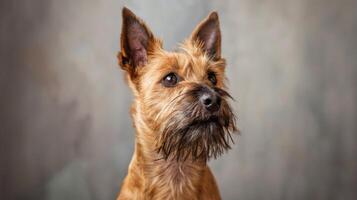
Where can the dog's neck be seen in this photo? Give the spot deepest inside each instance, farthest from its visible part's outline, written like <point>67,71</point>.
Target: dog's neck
<point>167,179</point>
<point>182,177</point>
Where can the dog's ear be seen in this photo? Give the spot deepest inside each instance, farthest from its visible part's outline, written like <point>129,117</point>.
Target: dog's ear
<point>208,34</point>
<point>136,41</point>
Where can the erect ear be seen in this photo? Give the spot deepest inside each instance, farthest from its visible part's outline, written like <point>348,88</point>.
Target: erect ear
<point>208,34</point>
<point>136,40</point>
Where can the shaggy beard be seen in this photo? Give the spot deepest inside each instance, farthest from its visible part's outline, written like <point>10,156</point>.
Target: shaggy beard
<point>192,134</point>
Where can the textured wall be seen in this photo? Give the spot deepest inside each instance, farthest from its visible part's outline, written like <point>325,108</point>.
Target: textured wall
<point>64,122</point>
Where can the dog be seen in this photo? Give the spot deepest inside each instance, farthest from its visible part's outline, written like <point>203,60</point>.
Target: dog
<point>180,111</point>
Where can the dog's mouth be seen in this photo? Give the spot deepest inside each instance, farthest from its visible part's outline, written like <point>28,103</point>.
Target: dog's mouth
<point>202,122</point>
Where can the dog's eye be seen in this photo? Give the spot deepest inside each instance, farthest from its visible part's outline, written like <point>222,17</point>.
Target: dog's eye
<point>170,80</point>
<point>212,78</point>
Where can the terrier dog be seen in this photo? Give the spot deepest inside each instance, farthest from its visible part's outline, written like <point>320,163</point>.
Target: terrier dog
<point>180,111</point>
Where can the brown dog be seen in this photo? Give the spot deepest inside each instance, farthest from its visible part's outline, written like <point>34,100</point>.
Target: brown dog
<point>180,111</point>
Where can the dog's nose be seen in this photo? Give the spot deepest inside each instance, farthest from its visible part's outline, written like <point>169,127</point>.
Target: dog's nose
<point>210,100</point>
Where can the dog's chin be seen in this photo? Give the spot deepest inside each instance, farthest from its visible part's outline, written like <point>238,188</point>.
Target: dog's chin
<point>199,140</point>
<point>205,128</point>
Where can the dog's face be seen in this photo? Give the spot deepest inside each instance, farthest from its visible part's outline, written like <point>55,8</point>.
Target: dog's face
<point>181,94</point>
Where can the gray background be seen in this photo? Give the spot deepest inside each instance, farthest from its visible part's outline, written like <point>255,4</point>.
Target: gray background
<point>64,123</point>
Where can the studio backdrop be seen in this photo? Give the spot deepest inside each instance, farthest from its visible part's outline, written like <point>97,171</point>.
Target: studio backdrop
<point>65,129</point>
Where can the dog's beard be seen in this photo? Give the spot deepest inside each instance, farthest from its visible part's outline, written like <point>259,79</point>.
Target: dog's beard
<point>191,133</point>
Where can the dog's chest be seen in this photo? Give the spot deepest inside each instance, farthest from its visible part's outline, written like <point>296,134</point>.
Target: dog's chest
<point>175,181</point>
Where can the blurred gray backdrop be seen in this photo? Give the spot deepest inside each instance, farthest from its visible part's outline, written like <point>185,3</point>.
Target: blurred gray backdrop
<point>292,65</point>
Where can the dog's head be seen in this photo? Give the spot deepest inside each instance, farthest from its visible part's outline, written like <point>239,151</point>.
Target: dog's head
<point>180,96</point>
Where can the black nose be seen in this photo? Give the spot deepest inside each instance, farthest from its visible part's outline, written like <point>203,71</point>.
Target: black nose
<point>210,100</point>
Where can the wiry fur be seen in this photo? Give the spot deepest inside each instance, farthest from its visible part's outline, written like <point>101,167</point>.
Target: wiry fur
<point>174,136</point>
<point>188,133</point>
